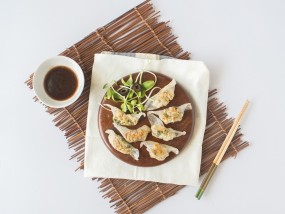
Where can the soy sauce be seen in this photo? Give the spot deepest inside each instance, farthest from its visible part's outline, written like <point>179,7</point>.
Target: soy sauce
<point>60,83</point>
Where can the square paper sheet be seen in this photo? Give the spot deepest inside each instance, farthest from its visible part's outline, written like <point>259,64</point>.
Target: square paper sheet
<point>184,169</point>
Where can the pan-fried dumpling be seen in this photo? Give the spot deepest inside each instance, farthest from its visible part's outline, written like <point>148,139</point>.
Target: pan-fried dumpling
<point>157,150</point>
<point>160,131</point>
<point>119,143</point>
<point>172,114</point>
<point>124,119</point>
<point>162,98</point>
<point>133,135</point>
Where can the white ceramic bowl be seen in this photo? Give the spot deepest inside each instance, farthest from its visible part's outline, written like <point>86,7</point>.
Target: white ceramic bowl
<point>47,65</point>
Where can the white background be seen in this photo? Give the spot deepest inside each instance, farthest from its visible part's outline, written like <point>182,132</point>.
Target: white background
<point>241,42</point>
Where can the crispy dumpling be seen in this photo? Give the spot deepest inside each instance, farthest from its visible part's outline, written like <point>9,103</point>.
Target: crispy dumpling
<point>133,135</point>
<point>172,114</point>
<point>119,143</point>
<point>162,98</point>
<point>158,129</point>
<point>157,150</point>
<point>123,119</point>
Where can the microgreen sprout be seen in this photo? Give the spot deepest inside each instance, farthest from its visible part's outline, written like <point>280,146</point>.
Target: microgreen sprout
<point>131,93</point>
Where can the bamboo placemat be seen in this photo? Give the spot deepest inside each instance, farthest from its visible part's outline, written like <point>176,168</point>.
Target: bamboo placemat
<point>137,30</point>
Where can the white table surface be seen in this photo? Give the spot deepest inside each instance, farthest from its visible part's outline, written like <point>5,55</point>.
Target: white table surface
<point>241,42</point>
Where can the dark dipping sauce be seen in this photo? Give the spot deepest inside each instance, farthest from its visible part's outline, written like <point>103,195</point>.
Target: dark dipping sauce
<point>60,83</point>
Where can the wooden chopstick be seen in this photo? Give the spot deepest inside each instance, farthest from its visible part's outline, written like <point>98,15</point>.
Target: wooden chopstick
<point>221,151</point>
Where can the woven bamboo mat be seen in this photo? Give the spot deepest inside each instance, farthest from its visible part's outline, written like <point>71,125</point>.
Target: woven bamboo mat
<point>137,30</point>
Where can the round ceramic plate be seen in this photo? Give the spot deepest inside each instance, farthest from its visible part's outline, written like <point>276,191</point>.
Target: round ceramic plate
<point>105,122</point>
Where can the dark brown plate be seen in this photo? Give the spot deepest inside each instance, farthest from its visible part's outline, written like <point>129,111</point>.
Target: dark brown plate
<point>105,122</point>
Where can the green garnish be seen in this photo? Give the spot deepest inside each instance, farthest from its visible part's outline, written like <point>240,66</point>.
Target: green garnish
<point>131,93</point>
<point>109,93</point>
<point>124,107</point>
<point>105,85</point>
<point>148,85</point>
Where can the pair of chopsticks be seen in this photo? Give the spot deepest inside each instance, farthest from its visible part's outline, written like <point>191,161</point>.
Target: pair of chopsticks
<point>221,152</point>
